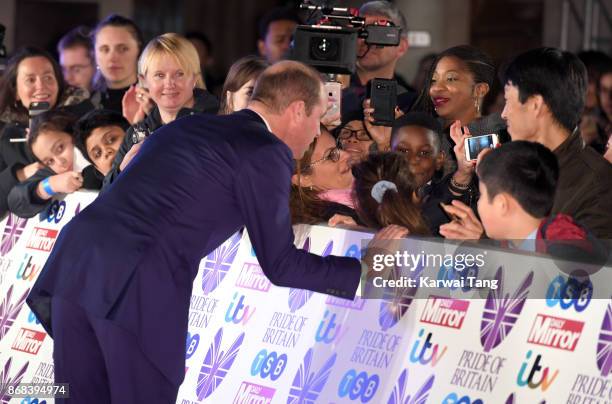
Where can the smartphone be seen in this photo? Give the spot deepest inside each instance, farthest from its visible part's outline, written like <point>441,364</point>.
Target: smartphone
<point>383,98</point>
<point>333,90</point>
<point>475,144</point>
<point>37,108</point>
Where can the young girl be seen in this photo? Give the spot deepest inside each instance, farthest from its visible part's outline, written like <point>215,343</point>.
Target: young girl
<point>385,193</point>
<point>52,143</point>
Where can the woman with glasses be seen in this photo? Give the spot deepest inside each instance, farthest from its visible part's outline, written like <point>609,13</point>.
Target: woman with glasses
<point>321,182</point>
<point>354,137</point>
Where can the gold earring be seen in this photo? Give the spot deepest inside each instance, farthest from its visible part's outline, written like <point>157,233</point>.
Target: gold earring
<point>477,105</point>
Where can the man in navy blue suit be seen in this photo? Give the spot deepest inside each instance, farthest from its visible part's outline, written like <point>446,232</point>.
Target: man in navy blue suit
<point>114,293</point>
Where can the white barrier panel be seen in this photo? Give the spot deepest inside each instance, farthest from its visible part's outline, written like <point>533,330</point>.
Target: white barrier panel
<point>252,342</point>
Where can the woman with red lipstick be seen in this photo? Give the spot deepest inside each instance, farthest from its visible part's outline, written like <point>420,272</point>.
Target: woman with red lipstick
<point>460,78</point>
<point>170,68</point>
<point>31,76</point>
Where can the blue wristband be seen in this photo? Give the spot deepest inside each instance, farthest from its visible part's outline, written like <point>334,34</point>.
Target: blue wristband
<point>47,187</point>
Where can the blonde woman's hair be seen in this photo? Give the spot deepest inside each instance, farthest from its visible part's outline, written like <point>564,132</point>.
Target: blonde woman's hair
<point>171,44</point>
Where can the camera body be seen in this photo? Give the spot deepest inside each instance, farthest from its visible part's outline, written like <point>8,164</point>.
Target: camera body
<point>330,45</point>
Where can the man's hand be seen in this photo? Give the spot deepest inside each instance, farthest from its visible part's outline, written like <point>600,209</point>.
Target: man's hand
<point>385,241</point>
<point>130,155</point>
<point>466,226</point>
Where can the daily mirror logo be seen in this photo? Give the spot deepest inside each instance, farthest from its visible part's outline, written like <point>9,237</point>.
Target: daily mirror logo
<point>42,239</point>
<point>555,332</point>
<point>445,312</point>
<point>29,341</point>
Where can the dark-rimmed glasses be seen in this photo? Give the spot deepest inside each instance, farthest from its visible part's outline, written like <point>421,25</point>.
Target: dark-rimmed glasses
<point>361,134</point>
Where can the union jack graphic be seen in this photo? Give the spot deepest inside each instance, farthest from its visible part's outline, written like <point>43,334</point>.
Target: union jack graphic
<point>6,381</point>
<point>216,365</point>
<point>604,345</point>
<point>308,385</point>
<point>299,297</point>
<point>9,311</point>
<point>216,264</point>
<point>400,394</point>
<point>501,311</point>
<point>12,231</point>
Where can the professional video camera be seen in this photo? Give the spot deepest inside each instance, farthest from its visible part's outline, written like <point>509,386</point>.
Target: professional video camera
<point>330,44</point>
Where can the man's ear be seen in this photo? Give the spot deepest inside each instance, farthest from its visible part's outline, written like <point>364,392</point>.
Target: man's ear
<point>301,180</point>
<point>261,47</point>
<point>503,202</point>
<point>537,105</point>
<point>402,48</point>
<point>297,111</point>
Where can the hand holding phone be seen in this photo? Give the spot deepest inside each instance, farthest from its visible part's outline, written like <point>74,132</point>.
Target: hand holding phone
<point>476,144</point>
<point>383,98</point>
<point>332,118</point>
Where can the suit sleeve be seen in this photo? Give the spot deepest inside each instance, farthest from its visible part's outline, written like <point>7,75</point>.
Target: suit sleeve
<point>23,199</point>
<point>262,189</point>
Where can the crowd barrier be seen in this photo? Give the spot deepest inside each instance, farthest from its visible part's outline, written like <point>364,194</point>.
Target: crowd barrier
<point>252,342</point>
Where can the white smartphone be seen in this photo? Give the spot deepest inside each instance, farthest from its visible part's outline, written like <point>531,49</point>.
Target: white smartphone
<point>475,144</point>
<point>333,90</point>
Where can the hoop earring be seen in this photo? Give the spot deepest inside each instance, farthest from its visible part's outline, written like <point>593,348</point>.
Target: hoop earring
<point>477,105</point>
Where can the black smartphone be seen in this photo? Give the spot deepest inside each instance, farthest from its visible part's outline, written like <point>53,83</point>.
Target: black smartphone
<point>383,98</point>
<point>37,108</point>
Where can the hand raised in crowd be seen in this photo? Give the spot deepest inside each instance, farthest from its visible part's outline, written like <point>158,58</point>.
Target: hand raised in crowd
<point>465,168</point>
<point>136,103</point>
<point>464,226</point>
<point>380,134</point>
<point>64,183</point>
<point>130,155</point>
<point>28,171</point>
<point>331,121</point>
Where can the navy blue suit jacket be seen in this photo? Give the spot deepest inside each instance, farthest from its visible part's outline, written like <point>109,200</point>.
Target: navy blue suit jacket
<point>132,255</point>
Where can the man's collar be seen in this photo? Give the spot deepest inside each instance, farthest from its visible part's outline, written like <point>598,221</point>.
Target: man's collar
<point>264,120</point>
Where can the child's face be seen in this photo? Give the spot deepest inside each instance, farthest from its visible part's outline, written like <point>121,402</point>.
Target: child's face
<point>102,146</point>
<point>489,214</point>
<point>55,150</point>
<point>415,143</point>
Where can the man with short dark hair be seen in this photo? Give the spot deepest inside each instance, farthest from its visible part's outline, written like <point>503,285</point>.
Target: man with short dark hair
<point>127,262</point>
<point>545,94</point>
<point>276,29</point>
<point>76,57</point>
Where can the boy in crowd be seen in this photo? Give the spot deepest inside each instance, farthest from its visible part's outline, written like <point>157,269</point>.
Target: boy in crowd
<point>518,182</point>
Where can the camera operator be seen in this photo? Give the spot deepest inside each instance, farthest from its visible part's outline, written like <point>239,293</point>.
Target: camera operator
<point>374,61</point>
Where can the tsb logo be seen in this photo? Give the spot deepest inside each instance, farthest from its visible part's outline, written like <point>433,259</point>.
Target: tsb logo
<point>56,212</point>
<point>569,292</point>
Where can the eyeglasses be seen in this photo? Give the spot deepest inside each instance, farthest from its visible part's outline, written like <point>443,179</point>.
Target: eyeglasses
<point>332,155</point>
<point>346,133</point>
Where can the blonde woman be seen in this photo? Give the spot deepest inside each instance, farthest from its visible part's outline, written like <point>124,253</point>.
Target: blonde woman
<point>169,68</point>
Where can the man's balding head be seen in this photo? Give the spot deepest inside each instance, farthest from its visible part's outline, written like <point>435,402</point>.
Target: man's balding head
<point>285,82</point>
